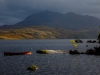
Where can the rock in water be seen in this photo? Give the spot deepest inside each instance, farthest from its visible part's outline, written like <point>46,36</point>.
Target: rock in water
<point>51,51</point>
<point>32,68</point>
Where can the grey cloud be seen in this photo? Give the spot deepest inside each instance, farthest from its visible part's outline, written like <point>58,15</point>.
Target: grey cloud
<point>13,11</point>
<point>8,20</point>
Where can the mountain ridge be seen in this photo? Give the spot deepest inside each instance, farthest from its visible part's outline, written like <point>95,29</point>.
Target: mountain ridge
<point>69,20</point>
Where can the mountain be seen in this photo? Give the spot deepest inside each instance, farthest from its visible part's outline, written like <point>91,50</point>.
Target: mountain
<point>69,20</point>
<point>53,25</point>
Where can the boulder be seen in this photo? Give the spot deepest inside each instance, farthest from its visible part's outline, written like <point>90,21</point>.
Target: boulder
<point>42,51</point>
<point>78,41</point>
<point>73,52</point>
<point>51,51</point>
<point>32,68</point>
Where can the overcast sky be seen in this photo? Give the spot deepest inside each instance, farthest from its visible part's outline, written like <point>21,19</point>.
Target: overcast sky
<point>14,11</point>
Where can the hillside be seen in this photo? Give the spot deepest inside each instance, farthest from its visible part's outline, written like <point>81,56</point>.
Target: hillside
<point>43,32</point>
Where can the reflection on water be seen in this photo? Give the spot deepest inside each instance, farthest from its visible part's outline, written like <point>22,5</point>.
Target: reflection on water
<point>49,64</point>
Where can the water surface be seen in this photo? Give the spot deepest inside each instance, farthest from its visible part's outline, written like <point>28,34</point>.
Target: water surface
<point>49,64</point>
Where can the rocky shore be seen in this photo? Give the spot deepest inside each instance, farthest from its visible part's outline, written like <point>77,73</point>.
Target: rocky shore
<point>94,51</point>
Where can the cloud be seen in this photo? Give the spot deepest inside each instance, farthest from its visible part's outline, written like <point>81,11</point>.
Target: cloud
<point>8,20</point>
<point>13,11</point>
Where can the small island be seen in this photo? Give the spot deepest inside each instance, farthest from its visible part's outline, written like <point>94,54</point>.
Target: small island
<point>94,51</point>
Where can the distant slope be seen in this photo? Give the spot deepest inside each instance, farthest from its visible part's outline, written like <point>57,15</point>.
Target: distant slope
<point>43,32</point>
<point>69,20</point>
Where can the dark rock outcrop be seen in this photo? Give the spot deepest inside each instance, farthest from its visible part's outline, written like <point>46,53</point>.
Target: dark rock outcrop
<point>73,52</point>
<point>78,41</point>
<point>91,41</point>
<point>95,51</point>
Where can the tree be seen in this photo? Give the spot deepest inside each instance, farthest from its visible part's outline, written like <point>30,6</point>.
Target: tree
<point>99,37</point>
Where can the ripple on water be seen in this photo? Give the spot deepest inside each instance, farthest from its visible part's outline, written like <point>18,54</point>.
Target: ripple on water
<point>49,64</point>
